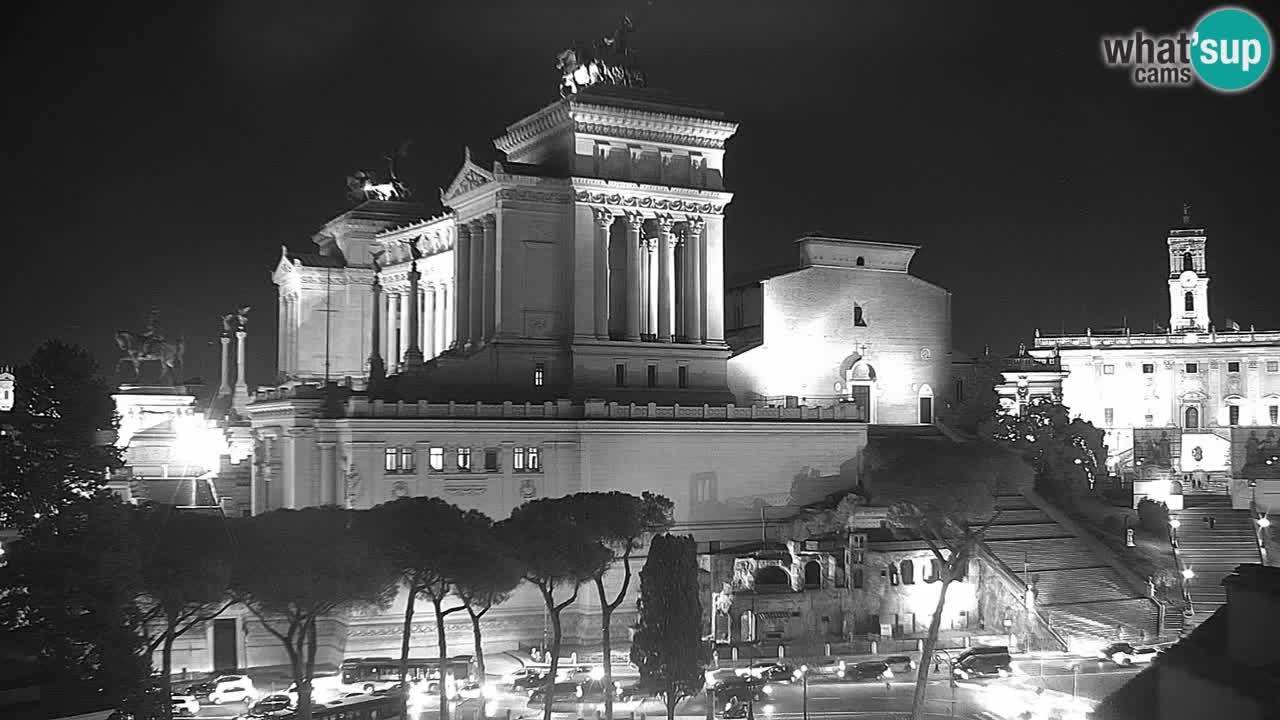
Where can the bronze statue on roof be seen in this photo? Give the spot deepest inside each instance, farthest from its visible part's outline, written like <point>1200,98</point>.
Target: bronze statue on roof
<point>607,61</point>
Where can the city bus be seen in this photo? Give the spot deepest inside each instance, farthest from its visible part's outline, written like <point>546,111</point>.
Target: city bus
<point>372,707</point>
<point>372,674</point>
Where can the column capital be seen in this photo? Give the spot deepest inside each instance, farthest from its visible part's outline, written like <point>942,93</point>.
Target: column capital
<point>489,221</point>
<point>666,223</point>
<point>635,221</point>
<point>241,334</point>
<point>604,217</point>
<point>696,222</point>
<point>464,230</point>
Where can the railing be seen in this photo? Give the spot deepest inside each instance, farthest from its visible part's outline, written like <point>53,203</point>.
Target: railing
<point>1031,364</point>
<point>1125,338</point>
<point>1020,585</point>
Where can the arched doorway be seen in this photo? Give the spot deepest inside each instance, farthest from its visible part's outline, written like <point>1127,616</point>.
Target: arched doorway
<point>772,577</point>
<point>812,575</point>
<point>861,382</point>
<point>1192,418</point>
<point>924,399</point>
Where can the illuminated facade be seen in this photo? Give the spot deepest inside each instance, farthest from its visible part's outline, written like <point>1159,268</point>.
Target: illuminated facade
<point>1192,409</point>
<point>850,325</point>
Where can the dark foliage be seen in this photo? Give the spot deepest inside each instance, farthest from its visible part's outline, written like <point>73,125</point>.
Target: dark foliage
<point>668,648</point>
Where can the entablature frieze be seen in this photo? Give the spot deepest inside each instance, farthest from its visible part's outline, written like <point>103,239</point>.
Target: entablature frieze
<point>652,202</point>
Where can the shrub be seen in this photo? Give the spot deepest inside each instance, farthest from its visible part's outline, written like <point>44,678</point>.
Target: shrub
<point>1153,516</point>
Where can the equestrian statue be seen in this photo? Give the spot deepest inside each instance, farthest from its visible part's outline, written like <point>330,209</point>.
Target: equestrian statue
<point>150,345</point>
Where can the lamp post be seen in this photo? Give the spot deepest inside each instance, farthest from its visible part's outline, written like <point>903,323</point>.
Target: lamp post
<point>803,676</point>
<point>1174,524</point>
<point>951,677</point>
<point>1075,676</point>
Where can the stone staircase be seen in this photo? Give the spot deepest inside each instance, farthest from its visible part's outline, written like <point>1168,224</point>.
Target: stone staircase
<point>1213,554</point>
<point>1081,595</point>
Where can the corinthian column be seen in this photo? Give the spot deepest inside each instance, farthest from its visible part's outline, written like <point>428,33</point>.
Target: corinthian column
<point>635,293</point>
<point>413,352</point>
<point>604,221</point>
<point>693,268</point>
<point>475,323</point>
<point>393,333</point>
<point>403,316</point>
<point>224,388</point>
<point>666,279</point>
<point>430,345</point>
<point>462,284</point>
<point>377,370</point>
<point>651,287</point>
<point>241,397</point>
<point>489,321</point>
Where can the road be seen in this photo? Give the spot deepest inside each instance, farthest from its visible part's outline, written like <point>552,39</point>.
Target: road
<point>1046,683</point>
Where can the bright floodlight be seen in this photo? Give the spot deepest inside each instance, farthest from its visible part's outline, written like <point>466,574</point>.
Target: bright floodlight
<point>709,677</point>
<point>1175,523</point>
<point>1188,573</point>
<point>768,709</point>
<point>767,690</point>
<point>1264,522</point>
<point>597,674</point>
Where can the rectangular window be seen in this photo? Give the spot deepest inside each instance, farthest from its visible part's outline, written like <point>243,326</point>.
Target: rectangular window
<point>1148,368</point>
<point>406,460</point>
<point>620,375</point>
<point>682,376</point>
<point>1149,420</point>
<point>390,459</point>
<point>538,374</point>
<point>490,460</point>
<point>1274,413</point>
<point>436,459</point>
<point>464,458</point>
<point>535,463</point>
<point>1108,369</point>
<point>1193,368</point>
<point>1233,367</point>
<point>517,459</point>
<point>1233,414</point>
<point>1110,415</point>
<point>651,377</point>
<point>1273,366</point>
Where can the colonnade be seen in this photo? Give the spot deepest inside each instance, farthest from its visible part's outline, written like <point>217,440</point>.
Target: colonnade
<point>396,316</point>
<point>665,280</point>
<point>475,266</point>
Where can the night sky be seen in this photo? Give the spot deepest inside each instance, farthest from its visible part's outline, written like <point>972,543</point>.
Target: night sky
<point>159,156</point>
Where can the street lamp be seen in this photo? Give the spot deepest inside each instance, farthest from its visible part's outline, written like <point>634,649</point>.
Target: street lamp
<point>803,676</point>
<point>1263,522</point>
<point>1188,573</point>
<point>951,677</point>
<point>1075,676</point>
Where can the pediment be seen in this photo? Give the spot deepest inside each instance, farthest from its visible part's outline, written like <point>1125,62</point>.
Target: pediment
<point>470,176</point>
<point>284,267</point>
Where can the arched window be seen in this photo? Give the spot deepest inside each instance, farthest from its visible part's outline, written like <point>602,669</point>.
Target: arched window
<point>908,572</point>
<point>1188,262</point>
<point>858,319</point>
<point>812,574</point>
<point>772,577</point>
<point>1193,418</point>
<point>858,579</point>
<point>861,261</point>
<point>934,571</point>
<point>1189,301</point>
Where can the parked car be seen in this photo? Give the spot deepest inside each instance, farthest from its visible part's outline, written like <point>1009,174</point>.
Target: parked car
<point>277,705</point>
<point>528,678</point>
<point>1135,656</point>
<point>1109,652</point>
<point>869,670</point>
<point>185,704</point>
<point>772,672</point>
<point>900,664</point>
<point>199,690</point>
<point>561,691</point>
<point>742,688</point>
<point>983,662</point>
<point>233,689</point>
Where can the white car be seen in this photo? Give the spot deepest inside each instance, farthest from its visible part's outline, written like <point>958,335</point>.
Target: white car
<point>233,689</point>
<point>185,704</point>
<point>1136,656</point>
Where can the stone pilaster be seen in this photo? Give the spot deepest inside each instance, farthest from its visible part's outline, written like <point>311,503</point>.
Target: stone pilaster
<point>240,400</point>
<point>694,301</point>
<point>413,351</point>
<point>377,369</point>
<point>489,320</point>
<point>462,283</point>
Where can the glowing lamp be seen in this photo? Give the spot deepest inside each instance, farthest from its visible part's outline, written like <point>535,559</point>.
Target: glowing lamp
<point>708,677</point>
<point>1175,523</point>
<point>1188,573</point>
<point>768,709</point>
<point>1264,522</point>
<point>767,689</point>
<point>596,674</point>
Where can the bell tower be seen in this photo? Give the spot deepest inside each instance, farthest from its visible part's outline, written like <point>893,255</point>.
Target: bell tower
<point>1188,277</point>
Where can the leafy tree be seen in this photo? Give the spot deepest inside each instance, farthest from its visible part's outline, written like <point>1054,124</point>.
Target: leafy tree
<point>668,647</point>
<point>620,522</point>
<point>1067,454</point>
<point>487,574</point>
<point>556,552</point>
<point>186,561</point>
<point>294,567</point>
<point>423,538</point>
<point>1153,516</point>
<point>943,493</point>
<point>69,586</point>
<point>52,445</point>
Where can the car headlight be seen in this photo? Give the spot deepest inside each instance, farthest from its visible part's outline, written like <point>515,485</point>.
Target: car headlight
<point>888,673</point>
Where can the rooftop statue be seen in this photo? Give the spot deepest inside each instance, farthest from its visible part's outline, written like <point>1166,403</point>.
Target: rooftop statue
<point>237,321</point>
<point>364,185</point>
<point>150,345</point>
<point>607,61</point>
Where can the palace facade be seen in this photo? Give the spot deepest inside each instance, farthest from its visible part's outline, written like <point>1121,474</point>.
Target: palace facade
<point>1193,408</point>
<point>559,325</point>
